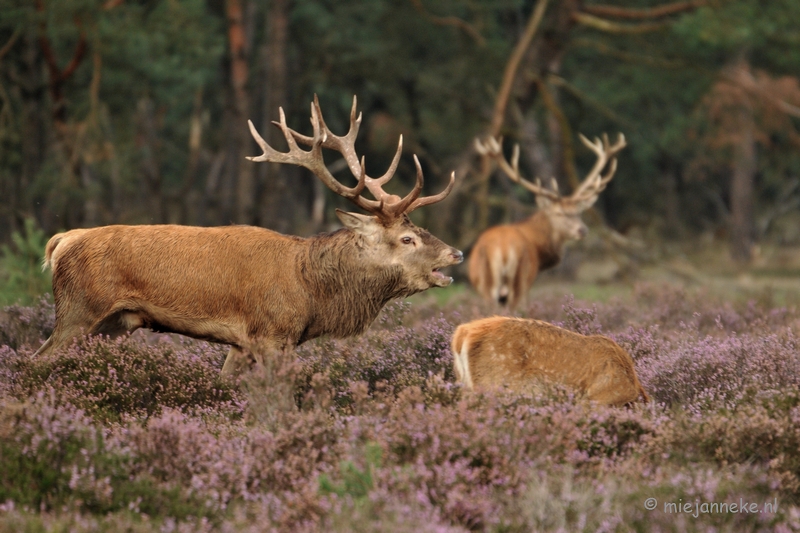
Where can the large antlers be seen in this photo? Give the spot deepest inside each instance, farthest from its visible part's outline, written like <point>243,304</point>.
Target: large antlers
<point>494,148</point>
<point>385,206</point>
<point>586,193</point>
<point>595,182</point>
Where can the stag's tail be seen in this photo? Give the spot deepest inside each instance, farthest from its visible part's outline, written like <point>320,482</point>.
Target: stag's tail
<point>56,246</point>
<point>49,249</point>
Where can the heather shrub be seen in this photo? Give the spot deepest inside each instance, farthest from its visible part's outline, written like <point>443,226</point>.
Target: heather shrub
<point>563,500</point>
<point>15,520</point>
<point>27,326</point>
<point>568,499</point>
<point>402,357</point>
<point>56,457</point>
<point>766,433</point>
<point>580,320</point>
<point>111,378</point>
<point>387,511</point>
<point>465,459</point>
<point>230,466</point>
<point>706,373</point>
<point>356,482</point>
<point>47,453</point>
<point>270,388</point>
<point>372,434</point>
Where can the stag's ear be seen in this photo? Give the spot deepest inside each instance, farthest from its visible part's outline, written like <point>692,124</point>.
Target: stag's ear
<point>543,202</point>
<point>361,224</point>
<point>583,205</point>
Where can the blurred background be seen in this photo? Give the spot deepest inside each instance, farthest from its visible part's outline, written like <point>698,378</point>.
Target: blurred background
<point>135,112</point>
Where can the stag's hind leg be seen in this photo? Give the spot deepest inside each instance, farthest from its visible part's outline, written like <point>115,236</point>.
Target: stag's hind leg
<point>69,328</point>
<point>117,323</point>
<point>479,270</point>
<point>61,337</point>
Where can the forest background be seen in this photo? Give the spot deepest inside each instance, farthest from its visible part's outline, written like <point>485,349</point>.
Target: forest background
<point>135,111</point>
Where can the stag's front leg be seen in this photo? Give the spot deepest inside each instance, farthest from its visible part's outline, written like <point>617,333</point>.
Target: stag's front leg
<point>237,362</point>
<point>244,359</point>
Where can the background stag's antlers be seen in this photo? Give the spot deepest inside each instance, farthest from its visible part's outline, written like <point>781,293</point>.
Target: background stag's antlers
<point>494,148</point>
<point>586,193</point>
<point>595,182</point>
<point>385,206</point>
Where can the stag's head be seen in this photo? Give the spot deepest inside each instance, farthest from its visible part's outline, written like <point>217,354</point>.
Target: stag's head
<point>387,237</point>
<point>564,212</point>
<point>400,244</point>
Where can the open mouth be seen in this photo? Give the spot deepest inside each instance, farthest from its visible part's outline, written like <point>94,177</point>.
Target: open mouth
<point>440,278</point>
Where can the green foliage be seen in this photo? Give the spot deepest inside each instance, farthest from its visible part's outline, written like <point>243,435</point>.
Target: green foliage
<point>356,482</point>
<point>21,277</point>
<point>155,71</point>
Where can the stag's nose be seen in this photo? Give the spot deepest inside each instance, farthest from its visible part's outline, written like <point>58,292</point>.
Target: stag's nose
<point>457,256</point>
<point>582,232</point>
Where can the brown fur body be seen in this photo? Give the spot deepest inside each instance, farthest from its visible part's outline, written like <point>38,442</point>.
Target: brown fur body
<point>518,353</point>
<point>506,259</point>
<point>237,285</point>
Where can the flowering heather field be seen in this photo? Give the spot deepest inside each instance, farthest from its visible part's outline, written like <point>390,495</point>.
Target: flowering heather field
<point>371,433</point>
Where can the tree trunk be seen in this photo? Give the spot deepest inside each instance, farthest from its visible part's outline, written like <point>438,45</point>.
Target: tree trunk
<point>241,144</point>
<point>276,205</point>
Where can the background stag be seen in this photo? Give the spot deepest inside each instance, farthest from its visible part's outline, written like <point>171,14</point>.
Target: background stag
<point>506,259</point>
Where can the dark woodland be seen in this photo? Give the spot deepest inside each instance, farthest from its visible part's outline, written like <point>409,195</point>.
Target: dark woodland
<point>124,111</point>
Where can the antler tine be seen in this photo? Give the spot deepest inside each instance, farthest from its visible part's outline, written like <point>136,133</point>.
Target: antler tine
<point>413,201</point>
<point>312,159</point>
<point>375,185</point>
<point>402,205</point>
<point>603,181</point>
<point>344,144</point>
<point>385,206</point>
<point>493,148</point>
<point>428,200</point>
<point>270,154</point>
<point>606,153</point>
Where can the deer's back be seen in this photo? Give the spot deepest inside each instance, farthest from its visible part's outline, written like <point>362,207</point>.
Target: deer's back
<point>513,352</point>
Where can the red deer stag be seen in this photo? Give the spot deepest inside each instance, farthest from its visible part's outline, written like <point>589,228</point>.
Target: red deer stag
<point>247,286</point>
<point>506,259</point>
<point>516,352</point>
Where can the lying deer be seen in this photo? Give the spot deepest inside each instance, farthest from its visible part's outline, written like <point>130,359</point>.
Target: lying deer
<point>506,259</point>
<point>247,286</point>
<point>518,353</point>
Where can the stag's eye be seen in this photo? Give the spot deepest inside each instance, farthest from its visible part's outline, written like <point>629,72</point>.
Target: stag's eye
<point>406,240</point>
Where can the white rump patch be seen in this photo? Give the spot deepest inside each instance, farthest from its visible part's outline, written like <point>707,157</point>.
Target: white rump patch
<point>462,364</point>
<point>502,271</point>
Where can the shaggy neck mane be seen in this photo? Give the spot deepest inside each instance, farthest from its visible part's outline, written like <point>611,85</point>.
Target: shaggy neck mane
<point>542,238</point>
<point>347,291</point>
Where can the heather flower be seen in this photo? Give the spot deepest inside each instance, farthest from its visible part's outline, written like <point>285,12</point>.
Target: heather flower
<point>372,433</point>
